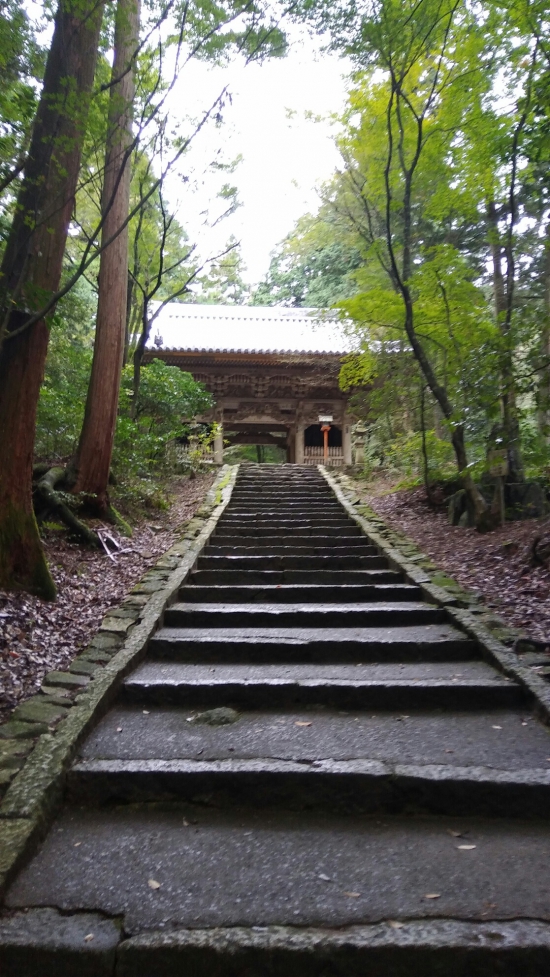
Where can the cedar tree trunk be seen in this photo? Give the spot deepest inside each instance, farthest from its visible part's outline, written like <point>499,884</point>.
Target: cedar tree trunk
<point>93,458</point>
<point>30,273</point>
<point>543,393</point>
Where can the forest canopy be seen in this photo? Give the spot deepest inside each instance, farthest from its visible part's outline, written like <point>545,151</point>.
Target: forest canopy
<point>433,236</point>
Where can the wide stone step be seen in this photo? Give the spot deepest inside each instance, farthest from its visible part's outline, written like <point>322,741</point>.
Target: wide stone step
<point>288,495</point>
<point>337,577</point>
<point>253,526</point>
<point>429,946</point>
<point>310,509</point>
<point>403,688</point>
<point>298,543</point>
<point>298,894</point>
<point>335,550</point>
<point>346,786</point>
<point>265,561</point>
<point>345,531</point>
<point>293,593</point>
<point>491,762</point>
<point>277,522</point>
<point>279,501</point>
<point>270,645</point>
<point>310,615</point>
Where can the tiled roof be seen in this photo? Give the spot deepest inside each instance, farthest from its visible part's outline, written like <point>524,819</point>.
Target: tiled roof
<point>247,329</point>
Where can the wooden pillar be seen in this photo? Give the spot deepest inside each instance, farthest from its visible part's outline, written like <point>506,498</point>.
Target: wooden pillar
<point>299,444</point>
<point>291,446</point>
<point>346,441</point>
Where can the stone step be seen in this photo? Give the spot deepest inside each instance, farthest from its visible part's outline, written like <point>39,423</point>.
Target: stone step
<point>287,489</point>
<point>299,894</point>
<point>278,492</point>
<point>309,615</point>
<point>277,524</point>
<point>308,509</point>
<point>345,531</point>
<point>368,787</point>
<point>298,543</point>
<point>337,577</point>
<point>303,552</point>
<point>293,500</point>
<point>403,688</point>
<point>293,593</point>
<point>316,519</point>
<point>351,561</point>
<point>271,645</point>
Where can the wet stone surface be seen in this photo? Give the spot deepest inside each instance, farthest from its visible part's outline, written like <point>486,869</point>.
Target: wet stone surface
<point>495,739</point>
<point>241,868</point>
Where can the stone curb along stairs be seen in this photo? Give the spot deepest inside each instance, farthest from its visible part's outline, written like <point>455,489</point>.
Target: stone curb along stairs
<point>35,790</point>
<point>304,760</point>
<point>493,650</point>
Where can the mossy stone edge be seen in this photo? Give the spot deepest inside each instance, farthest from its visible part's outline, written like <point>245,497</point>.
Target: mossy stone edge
<point>35,792</point>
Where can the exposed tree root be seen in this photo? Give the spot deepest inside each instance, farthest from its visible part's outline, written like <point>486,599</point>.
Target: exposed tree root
<point>113,516</point>
<point>45,489</point>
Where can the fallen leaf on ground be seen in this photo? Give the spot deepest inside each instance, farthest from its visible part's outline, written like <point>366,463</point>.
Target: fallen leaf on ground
<point>395,925</point>
<point>497,727</point>
<point>432,895</point>
<point>466,847</point>
<point>153,884</point>
<point>302,724</point>
<point>76,844</point>
<point>119,729</point>
<point>325,878</point>
<point>352,895</point>
<point>89,937</point>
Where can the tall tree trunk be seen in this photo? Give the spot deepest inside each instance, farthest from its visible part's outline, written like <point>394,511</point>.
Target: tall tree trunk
<point>93,458</point>
<point>543,393</point>
<point>510,421</point>
<point>482,515</point>
<point>30,273</point>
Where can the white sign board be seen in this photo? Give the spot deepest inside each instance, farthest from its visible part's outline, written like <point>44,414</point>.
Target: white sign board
<point>325,418</point>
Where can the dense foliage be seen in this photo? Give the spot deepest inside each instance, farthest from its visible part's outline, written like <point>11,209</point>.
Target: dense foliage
<point>167,398</point>
<point>433,237</point>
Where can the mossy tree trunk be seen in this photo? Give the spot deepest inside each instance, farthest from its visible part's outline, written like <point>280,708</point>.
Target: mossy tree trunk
<point>93,458</point>
<point>30,274</point>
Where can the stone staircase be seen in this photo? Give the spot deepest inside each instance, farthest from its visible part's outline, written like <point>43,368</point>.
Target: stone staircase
<point>312,774</point>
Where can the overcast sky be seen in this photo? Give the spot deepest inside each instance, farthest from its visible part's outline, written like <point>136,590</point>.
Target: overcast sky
<point>285,156</point>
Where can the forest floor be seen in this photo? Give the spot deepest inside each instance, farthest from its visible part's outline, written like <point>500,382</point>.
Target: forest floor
<point>495,565</point>
<point>37,636</point>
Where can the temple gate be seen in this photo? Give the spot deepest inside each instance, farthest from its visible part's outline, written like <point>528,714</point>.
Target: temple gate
<point>263,395</point>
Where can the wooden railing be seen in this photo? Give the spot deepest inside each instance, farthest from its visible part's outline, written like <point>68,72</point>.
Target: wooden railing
<point>315,456</point>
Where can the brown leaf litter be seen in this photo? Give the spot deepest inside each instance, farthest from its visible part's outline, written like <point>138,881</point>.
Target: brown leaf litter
<point>37,636</point>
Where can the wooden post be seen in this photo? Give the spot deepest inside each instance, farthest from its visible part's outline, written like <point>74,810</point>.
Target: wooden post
<point>325,428</point>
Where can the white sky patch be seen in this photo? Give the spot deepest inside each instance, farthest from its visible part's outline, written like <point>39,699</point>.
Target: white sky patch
<point>285,154</point>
